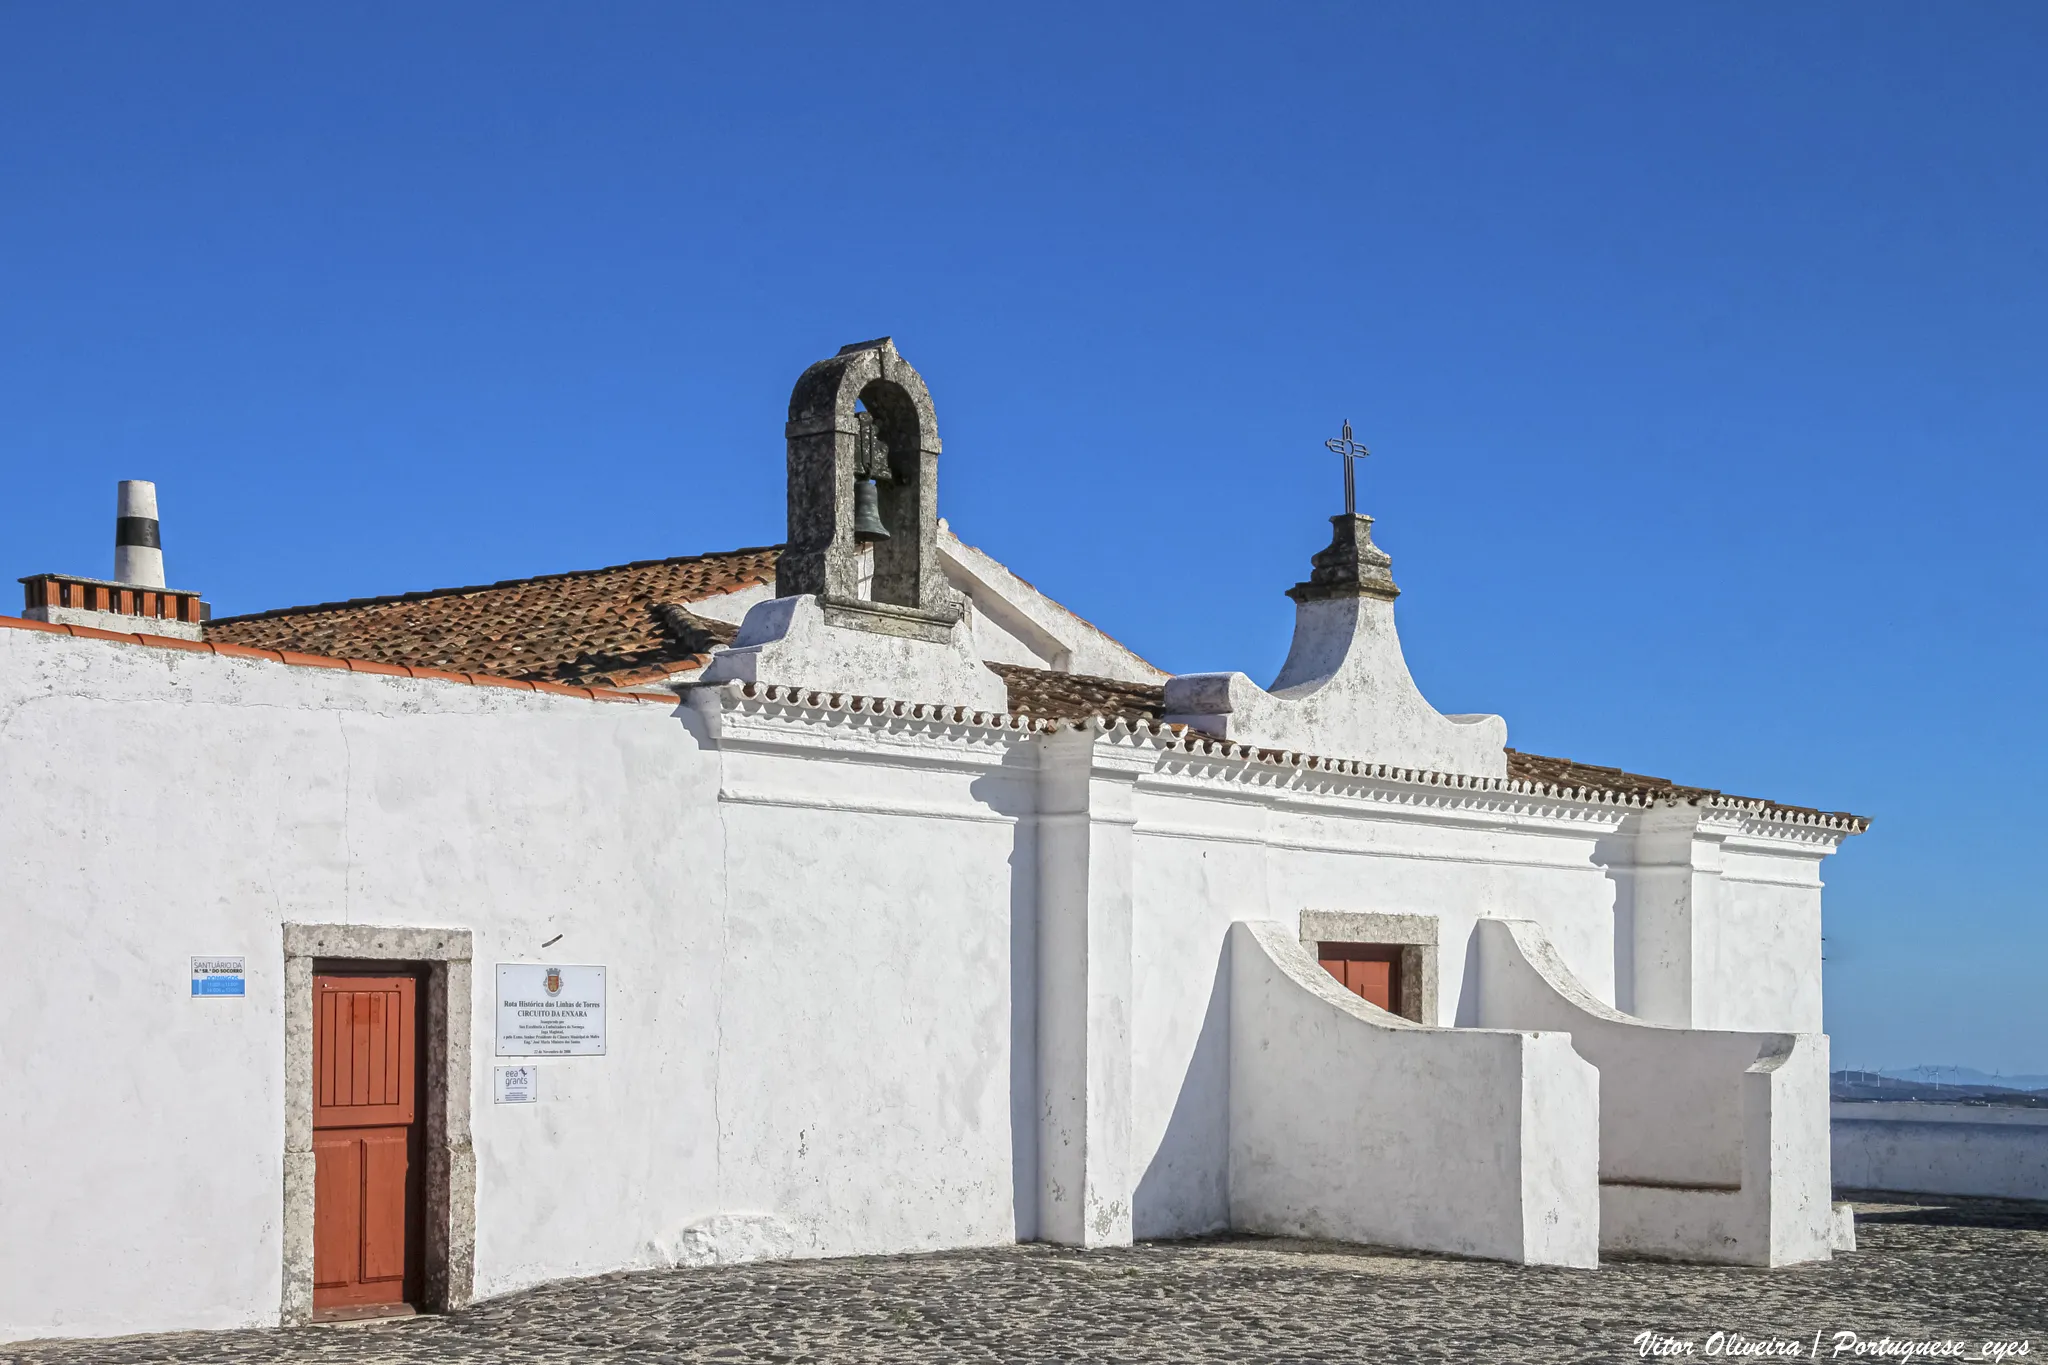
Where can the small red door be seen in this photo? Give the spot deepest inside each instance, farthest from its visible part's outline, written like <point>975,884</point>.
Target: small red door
<point>365,1142</point>
<point>1372,970</point>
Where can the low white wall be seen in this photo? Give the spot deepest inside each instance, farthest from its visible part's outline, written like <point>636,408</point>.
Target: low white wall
<point>1926,1147</point>
<point>1351,1123</point>
<point>1211,851</point>
<point>1784,1154</point>
<point>1713,1145</point>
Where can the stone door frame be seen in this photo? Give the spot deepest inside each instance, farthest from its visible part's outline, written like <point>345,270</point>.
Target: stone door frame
<point>449,1185</point>
<point>1415,935</point>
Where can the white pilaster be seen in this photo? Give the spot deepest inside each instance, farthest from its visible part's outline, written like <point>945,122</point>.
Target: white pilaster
<point>1676,889</point>
<point>1086,825</point>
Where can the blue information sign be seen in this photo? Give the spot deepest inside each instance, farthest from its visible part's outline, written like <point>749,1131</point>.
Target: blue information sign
<point>219,976</point>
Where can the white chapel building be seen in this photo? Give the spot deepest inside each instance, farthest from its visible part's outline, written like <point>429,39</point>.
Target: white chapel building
<point>841,897</point>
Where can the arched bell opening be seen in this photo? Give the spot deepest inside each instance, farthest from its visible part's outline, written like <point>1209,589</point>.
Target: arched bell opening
<point>894,466</point>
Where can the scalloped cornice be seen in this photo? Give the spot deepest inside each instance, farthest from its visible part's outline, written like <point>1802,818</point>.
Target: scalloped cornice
<point>1191,755</point>
<point>775,701</point>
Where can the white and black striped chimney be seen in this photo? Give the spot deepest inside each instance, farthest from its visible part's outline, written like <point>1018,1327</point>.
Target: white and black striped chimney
<point>138,539</point>
<point>133,602</point>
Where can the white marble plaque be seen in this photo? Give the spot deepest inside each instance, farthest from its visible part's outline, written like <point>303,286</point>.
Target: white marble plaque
<point>550,1011</point>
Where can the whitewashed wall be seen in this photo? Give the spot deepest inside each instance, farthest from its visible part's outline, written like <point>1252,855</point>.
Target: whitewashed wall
<point>1717,913</point>
<point>822,1068</point>
<point>1224,840</point>
<point>877,1025</point>
<point>160,805</point>
<point>1761,967</point>
<point>847,1003</point>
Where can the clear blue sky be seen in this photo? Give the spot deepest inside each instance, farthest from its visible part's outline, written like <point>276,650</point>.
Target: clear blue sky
<point>1701,348</point>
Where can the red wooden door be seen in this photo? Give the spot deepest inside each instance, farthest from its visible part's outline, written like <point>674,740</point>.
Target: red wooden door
<point>1372,970</point>
<point>365,1142</point>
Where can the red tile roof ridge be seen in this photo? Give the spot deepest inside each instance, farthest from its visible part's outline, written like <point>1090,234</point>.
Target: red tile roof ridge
<point>294,659</point>
<point>655,673</point>
<point>425,594</point>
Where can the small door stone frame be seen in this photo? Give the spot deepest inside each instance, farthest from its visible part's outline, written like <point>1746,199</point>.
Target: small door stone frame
<point>450,1177</point>
<point>1415,935</point>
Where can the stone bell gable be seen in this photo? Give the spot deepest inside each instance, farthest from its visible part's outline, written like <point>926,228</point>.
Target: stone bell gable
<point>863,468</point>
<point>865,415</point>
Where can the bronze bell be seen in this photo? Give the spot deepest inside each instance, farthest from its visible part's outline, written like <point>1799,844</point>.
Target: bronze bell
<point>867,513</point>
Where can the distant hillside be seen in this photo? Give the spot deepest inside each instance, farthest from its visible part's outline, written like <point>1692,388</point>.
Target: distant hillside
<point>1963,1075</point>
<point>1942,1083</point>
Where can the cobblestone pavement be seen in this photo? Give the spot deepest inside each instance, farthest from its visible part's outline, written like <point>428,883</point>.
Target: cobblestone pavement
<point>1973,1270</point>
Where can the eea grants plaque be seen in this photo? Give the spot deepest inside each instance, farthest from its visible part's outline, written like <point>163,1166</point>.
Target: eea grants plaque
<point>550,1011</point>
<point>516,1085</point>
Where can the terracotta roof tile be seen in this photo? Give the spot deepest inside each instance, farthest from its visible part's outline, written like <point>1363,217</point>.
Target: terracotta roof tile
<point>1563,772</point>
<point>594,627</point>
<point>1059,696</point>
<point>297,660</point>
